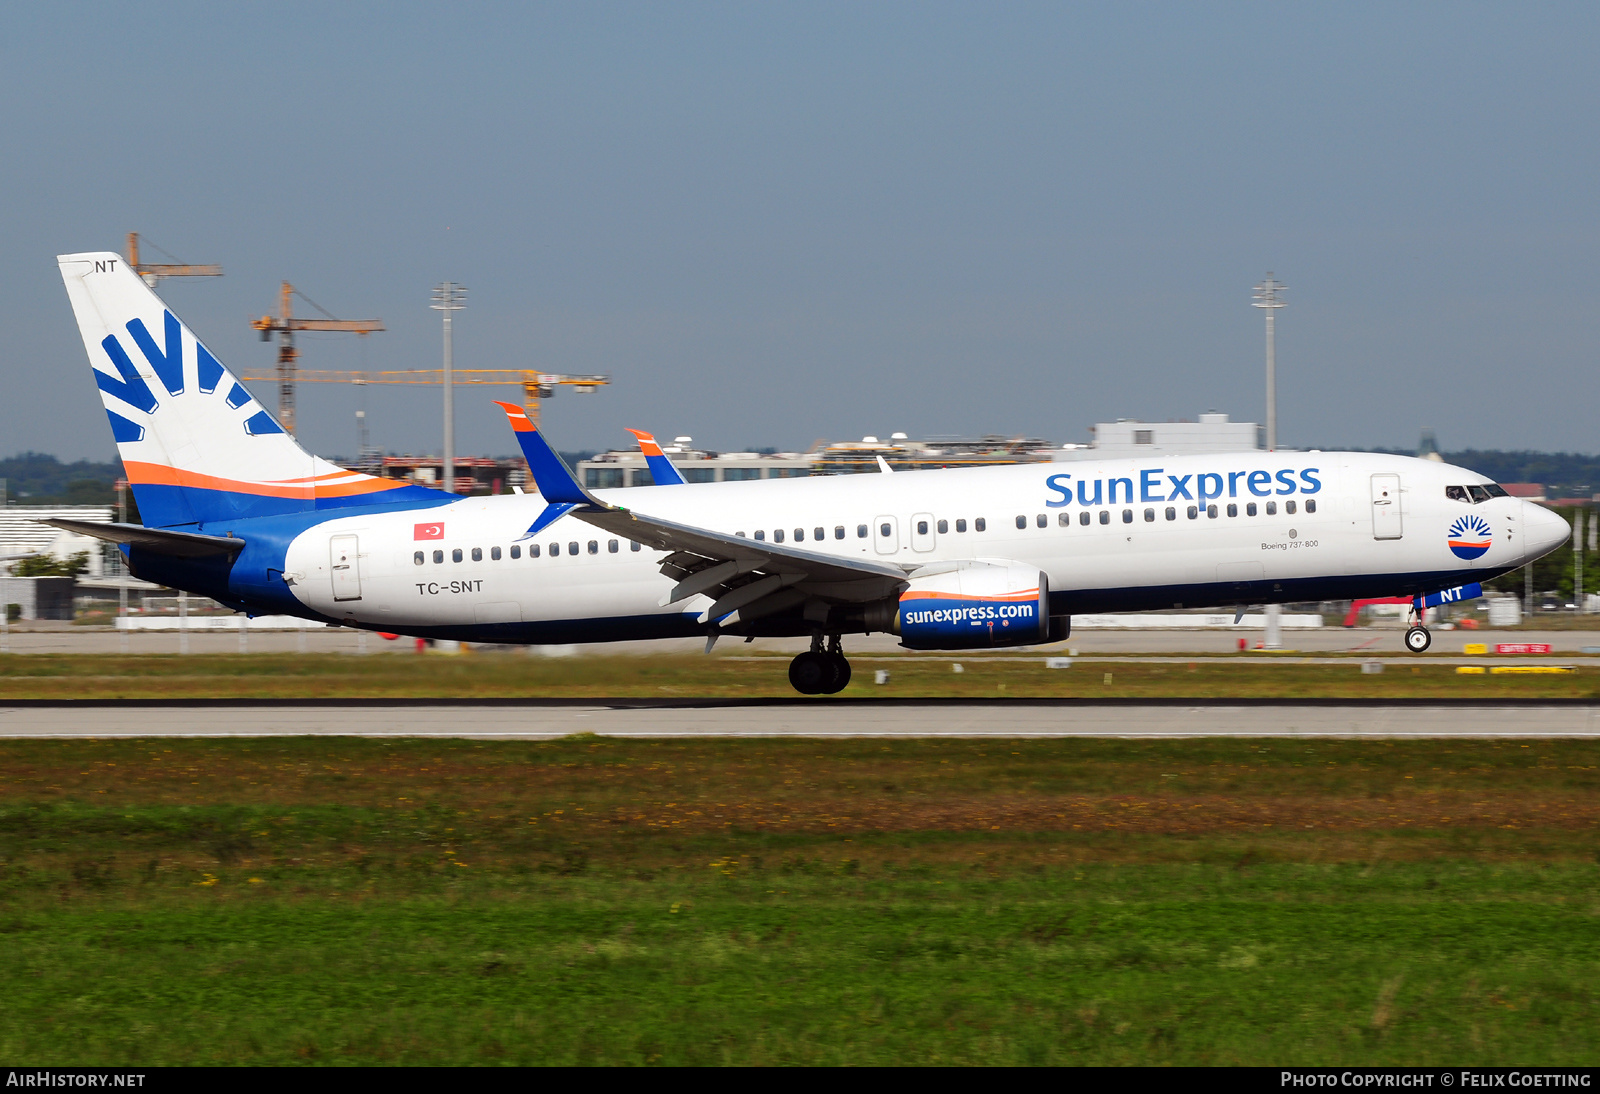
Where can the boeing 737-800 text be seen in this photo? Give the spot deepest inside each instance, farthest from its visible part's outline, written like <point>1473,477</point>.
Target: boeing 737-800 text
<point>236,510</point>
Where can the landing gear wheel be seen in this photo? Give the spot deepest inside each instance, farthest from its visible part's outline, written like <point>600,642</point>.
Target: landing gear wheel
<point>811,673</point>
<point>1418,639</point>
<point>841,674</point>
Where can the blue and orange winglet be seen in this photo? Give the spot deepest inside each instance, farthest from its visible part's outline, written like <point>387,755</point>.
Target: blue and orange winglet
<point>557,484</point>
<point>662,473</point>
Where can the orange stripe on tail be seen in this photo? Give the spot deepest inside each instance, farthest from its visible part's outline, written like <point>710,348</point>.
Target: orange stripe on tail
<point>518,417</point>
<point>647,443</point>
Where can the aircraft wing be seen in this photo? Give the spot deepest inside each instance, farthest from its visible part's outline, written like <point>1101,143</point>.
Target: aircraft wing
<point>741,576</point>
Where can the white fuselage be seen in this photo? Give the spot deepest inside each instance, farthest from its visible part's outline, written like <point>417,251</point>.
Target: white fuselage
<point>1328,529</point>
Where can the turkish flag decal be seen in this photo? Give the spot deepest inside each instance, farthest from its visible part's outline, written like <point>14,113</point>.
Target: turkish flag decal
<point>429,531</point>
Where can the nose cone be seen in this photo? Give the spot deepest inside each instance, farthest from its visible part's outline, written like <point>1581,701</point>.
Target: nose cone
<point>1542,530</point>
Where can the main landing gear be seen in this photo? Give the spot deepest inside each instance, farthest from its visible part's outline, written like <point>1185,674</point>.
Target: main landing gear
<point>820,671</point>
<point>1418,639</point>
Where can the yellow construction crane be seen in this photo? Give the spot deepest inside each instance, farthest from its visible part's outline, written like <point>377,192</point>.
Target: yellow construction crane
<point>284,324</point>
<point>155,271</point>
<point>535,385</point>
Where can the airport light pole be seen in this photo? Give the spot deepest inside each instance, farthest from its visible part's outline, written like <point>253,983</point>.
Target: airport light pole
<point>1266,298</point>
<point>449,297</point>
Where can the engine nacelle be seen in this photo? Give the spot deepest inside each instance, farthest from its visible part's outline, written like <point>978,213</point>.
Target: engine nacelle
<point>976,605</point>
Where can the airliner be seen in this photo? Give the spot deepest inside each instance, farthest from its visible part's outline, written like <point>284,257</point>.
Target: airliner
<point>955,559</point>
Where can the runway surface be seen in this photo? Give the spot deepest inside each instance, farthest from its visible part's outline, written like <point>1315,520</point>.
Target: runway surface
<point>1381,642</point>
<point>542,720</point>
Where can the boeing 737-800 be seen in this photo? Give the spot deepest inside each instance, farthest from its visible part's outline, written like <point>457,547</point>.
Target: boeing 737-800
<point>236,510</point>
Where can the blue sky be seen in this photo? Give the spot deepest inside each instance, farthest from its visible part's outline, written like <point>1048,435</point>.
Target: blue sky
<point>774,223</point>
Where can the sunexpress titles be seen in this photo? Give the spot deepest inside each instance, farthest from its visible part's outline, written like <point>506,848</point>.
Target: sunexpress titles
<point>1155,484</point>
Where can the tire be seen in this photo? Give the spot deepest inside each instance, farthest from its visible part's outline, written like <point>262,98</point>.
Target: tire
<point>810,673</point>
<point>1418,639</point>
<point>841,674</point>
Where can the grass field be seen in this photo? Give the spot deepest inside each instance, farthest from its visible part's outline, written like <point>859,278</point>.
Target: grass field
<point>507,675</point>
<point>751,901</point>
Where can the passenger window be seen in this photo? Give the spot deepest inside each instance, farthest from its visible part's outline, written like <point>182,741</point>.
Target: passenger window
<point>1172,514</point>
<point>1105,516</point>
<point>760,535</point>
<point>944,526</point>
<point>838,532</point>
<point>1064,519</point>
<point>1311,505</point>
<point>1149,515</point>
<point>572,547</point>
<point>417,558</point>
<point>555,549</point>
<point>455,555</point>
<point>1127,516</point>
<point>516,551</point>
<point>594,546</point>
<point>1194,511</point>
<point>861,531</point>
<point>438,557</point>
<point>885,530</point>
<point>1083,517</point>
<point>1288,507</point>
<point>533,550</point>
<point>494,554</point>
<point>477,554</point>
<point>1211,511</point>
<point>633,545</point>
<point>1233,509</point>
<point>1478,494</point>
<point>1272,508</point>
<point>1457,493</point>
<point>612,545</point>
<point>777,535</point>
<point>799,535</point>
<point>1250,509</point>
<point>1022,521</point>
<point>817,533</point>
<point>922,527</point>
<point>961,524</point>
<point>1042,520</point>
<point>980,525</point>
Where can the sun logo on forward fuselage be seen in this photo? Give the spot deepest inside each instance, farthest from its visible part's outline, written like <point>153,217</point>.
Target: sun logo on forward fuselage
<point>1470,536</point>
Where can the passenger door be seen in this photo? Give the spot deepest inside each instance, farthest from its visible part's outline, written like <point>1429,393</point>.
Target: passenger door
<point>1386,507</point>
<point>346,567</point>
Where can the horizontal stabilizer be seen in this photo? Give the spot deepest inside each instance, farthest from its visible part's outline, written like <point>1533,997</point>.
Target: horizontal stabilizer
<point>156,540</point>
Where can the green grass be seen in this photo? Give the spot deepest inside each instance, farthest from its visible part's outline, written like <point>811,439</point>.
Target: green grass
<point>516,675</point>
<point>746,901</point>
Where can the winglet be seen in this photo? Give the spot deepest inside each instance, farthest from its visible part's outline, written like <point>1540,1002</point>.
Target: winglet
<point>555,481</point>
<point>661,470</point>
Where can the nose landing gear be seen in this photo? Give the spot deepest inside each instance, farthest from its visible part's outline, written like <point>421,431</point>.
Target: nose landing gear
<point>820,671</point>
<point>1418,639</point>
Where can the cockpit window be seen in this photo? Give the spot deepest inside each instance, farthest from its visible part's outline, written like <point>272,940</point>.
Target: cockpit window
<point>1472,495</point>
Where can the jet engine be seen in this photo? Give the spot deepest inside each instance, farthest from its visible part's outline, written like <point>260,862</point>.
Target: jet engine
<point>977,605</point>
